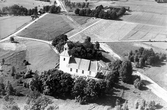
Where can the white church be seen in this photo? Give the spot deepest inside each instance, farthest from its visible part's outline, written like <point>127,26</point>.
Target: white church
<point>78,66</point>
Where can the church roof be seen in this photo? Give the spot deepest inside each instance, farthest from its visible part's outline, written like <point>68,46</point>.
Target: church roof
<point>83,64</point>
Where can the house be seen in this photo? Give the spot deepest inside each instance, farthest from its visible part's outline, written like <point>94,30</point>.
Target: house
<point>78,66</point>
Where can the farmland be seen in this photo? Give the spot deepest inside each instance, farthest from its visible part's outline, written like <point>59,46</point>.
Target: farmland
<point>25,3</point>
<point>109,31</point>
<point>48,27</point>
<point>10,24</point>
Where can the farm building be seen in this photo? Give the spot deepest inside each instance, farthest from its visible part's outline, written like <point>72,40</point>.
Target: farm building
<point>78,66</point>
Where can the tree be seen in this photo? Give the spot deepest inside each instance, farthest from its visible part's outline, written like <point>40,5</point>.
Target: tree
<point>101,14</point>
<point>126,71</point>
<point>101,88</point>
<point>9,89</point>
<point>78,89</point>
<point>81,12</point>
<point>12,40</point>
<point>36,84</point>
<point>77,11</point>
<point>59,84</point>
<point>90,90</point>
<point>2,89</point>
<point>13,71</point>
<point>112,78</point>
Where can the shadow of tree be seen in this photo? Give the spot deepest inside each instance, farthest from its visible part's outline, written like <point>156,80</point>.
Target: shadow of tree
<point>146,82</point>
<point>158,106</point>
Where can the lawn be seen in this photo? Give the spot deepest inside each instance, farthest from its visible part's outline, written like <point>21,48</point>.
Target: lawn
<point>48,27</point>
<point>10,24</point>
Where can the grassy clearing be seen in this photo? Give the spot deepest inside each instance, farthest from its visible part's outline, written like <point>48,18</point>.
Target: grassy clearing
<point>47,28</point>
<point>9,25</point>
<point>80,19</point>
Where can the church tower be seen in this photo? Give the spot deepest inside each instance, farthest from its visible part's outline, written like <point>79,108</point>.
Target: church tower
<point>64,58</point>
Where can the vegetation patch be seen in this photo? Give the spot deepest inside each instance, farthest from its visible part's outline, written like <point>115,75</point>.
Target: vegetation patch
<point>47,28</point>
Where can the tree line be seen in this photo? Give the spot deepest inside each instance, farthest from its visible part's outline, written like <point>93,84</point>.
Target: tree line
<point>22,11</point>
<point>101,12</point>
<point>76,4</point>
<point>143,57</point>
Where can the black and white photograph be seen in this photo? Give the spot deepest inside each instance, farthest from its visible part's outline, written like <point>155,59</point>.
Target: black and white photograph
<point>83,54</point>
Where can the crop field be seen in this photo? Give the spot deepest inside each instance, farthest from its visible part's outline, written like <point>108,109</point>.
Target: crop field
<point>110,30</point>
<point>9,25</point>
<point>25,3</point>
<point>146,18</point>
<point>48,27</point>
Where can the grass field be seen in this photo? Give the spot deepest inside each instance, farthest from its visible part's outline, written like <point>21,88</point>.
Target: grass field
<point>9,25</point>
<point>47,27</point>
<point>25,3</point>
<point>41,56</point>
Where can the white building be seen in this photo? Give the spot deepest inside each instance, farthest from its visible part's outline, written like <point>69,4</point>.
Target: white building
<point>78,66</point>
